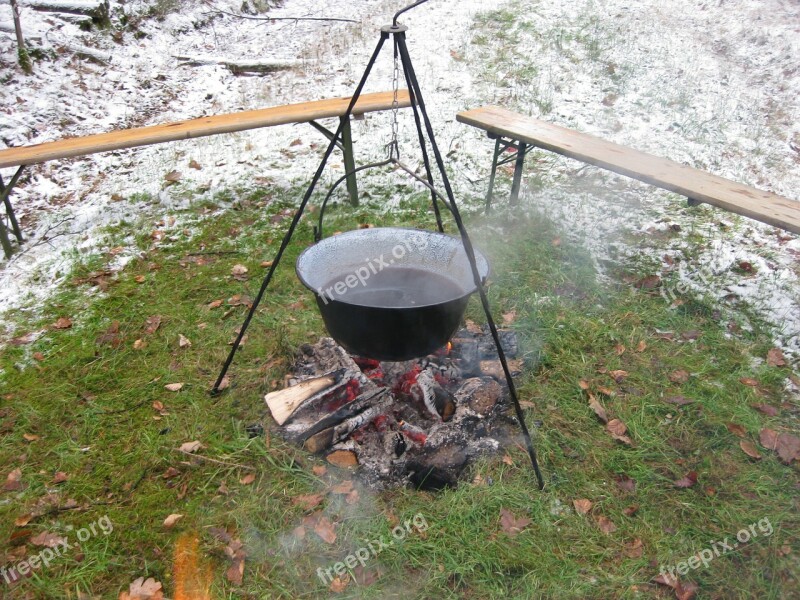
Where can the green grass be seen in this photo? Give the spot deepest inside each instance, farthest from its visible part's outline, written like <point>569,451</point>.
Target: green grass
<point>90,404</point>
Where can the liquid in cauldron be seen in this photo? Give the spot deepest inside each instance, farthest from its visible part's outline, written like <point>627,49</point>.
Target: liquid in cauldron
<point>397,287</point>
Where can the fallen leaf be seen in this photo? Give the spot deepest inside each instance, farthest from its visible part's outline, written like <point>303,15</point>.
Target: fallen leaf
<point>619,375</point>
<point>788,447</point>
<point>239,272</point>
<point>749,449</point>
<point>248,479</point>
<point>679,376</point>
<point>324,529</point>
<point>692,334</point>
<point>583,384</point>
<point>139,344</point>
<point>143,589</point>
<point>749,381</point>
<point>48,540</point>
<point>173,176</point>
<point>605,524</point>
<point>62,323</point>
<point>617,429</point>
<point>60,477</point>
<point>667,580</point>
<point>30,437</point>
<point>641,347</point>
<point>214,304</point>
<point>619,349</point>
<point>598,409</point>
<point>767,409</point>
<point>688,481</point>
<point>736,430</point>
<point>635,549</point>
<point>339,584</point>
<point>193,164</point>
<point>509,317</point>
<point>679,400</point>
<point>235,572</point>
<point>511,524</point>
<point>582,506</point>
<point>23,520</point>
<point>38,356</point>
<point>224,384</point>
<point>626,484</point>
<point>190,447</point>
<point>183,341</point>
<point>173,387</point>
<point>686,591</point>
<point>140,279</point>
<point>768,438</point>
<point>775,358</point>
<point>170,521</point>
<point>266,264</point>
<point>170,473</point>
<point>507,460</point>
<point>630,510</point>
<point>24,340</point>
<point>14,481</point>
<point>152,324</point>
<point>319,470</point>
<point>343,488</point>
<point>308,501</point>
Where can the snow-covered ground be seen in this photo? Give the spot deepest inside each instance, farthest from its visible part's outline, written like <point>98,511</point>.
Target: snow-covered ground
<point>712,84</point>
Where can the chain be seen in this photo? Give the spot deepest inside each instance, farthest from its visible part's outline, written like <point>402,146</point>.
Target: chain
<point>394,149</point>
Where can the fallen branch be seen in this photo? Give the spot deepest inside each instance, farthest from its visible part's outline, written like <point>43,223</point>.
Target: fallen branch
<point>251,18</point>
<point>240,66</point>
<point>215,461</point>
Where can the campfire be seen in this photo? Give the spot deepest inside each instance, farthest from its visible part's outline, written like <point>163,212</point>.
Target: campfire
<point>417,422</point>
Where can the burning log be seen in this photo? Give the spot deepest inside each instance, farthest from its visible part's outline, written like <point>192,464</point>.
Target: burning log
<point>494,368</point>
<point>351,410</point>
<point>282,404</point>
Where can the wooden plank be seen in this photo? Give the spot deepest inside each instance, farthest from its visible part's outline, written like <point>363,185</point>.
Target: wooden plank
<point>661,172</point>
<point>204,126</point>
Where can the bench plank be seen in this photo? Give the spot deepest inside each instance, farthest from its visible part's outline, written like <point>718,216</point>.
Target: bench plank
<point>693,183</point>
<point>181,130</point>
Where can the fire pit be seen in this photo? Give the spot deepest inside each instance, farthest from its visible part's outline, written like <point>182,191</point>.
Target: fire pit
<point>417,422</point>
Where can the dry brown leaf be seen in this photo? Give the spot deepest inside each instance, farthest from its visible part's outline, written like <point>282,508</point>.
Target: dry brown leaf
<point>626,484</point>
<point>193,164</point>
<point>605,524</point>
<point>143,589</point>
<point>308,501</point>
<point>139,344</point>
<point>170,473</point>
<point>642,346</point>
<point>788,447</point>
<point>768,438</point>
<point>688,481</point>
<point>619,349</point>
<point>14,481</point>
<point>511,524</point>
<point>170,521</point>
<point>190,447</point>
<point>598,409</point>
<point>48,540</point>
<point>582,506</point>
<point>508,460</point>
<point>678,400</point>
<point>324,529</point>
<point>239,272</point>
<point>775,358</point>
<point>30,437</point>
<point>509,317</point>
<point>62,323</point>
<point>750,449</point>
<point>235,572</point>
<point>679,376</point>
<point>214,304</point>
<point>339,584</point>
<point>749,381</point>
<point>343,488</point>
<point>473,327</point>
<point>767,409</point>
<point>583,384</point>
<point>173,176</point>
<point>248,479</point>
<point>24,340</point>
<point>319,470</point>
<point>173,387</point>
<point>617,429</point>
<point>650,282</point>
<point>619,375</point>
<point>152,324</point>
<point>342,458</point>
<point>60,477</point>
<point>23,520</point>
<point>736,429</point>
<point>631,510</point>
<point>183,341</point>
<point>635,549</point>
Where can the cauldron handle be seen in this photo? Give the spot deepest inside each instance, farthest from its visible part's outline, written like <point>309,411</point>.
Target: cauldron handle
<point>392,160</point>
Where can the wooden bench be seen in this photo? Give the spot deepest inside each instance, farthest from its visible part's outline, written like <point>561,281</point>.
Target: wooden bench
<point>305,112</point>
<point>516,131</point>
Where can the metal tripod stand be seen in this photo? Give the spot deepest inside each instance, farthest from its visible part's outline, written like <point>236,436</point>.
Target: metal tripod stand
<point>423,125</point>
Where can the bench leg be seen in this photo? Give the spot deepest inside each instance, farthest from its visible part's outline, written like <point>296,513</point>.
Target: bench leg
<point>5,191</point>
<point>349,161</point>
<point>492,174</point>
<point>515,184</point>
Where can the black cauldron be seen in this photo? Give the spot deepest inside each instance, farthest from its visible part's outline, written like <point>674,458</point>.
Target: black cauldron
<point>390,293</point>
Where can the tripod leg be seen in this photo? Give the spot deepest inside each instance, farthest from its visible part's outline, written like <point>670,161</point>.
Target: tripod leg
<point>422,145</point>
<point>215,390</point>
<point>409,69</point>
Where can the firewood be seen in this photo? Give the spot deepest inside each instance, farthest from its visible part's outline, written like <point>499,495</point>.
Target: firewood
<point>286,401</point>
<point>348,411</point>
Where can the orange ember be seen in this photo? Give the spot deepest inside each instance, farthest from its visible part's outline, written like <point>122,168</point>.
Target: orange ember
<point>192,579</point>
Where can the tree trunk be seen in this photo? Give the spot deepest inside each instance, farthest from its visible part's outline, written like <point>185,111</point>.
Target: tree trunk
<point>22,51</point>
